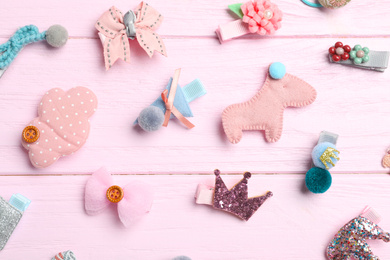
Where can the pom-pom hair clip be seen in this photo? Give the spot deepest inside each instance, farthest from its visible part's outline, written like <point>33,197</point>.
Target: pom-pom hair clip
<point>10,214</point>
<point>173,102</point>
<point>331,4</point>
<point>359,57</point>
<point>134,200</point>
<point>259,16</point>
<point>114,29</point>
<point>62,126</point>
<point>264,111</point>
<point>234,201</point>
<point>56,36</point>
<point>351,240</point>
<point>324,156</point>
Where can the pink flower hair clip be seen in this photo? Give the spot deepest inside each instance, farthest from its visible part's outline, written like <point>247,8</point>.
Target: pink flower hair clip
<point>115,29</point>
<point>259,16</point>
<point>134,200</point>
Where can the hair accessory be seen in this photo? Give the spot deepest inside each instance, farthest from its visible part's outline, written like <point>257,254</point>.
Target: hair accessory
<point>56,36</point>
<point>174,102</point>
<point>332,4</point>
<point>350,241</point>
<point>62,125</point>
<point>134,200</point>
<point>386,159</point>
<point>259,16</point>
<point>359,57</point>
<point>181,258</point>
<point>114,29</point>
<point>234,201</point>
<point>325,156</point>
<point>67,255</point>
<point>10,214</point>
<point>264,111</point>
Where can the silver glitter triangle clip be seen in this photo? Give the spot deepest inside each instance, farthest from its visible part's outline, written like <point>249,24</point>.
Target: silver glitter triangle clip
<point>2,72</point>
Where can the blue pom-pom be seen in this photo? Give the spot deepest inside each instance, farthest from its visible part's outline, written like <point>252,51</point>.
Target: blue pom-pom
<point>318,180</point>
<point>319,149</point>
<point>151,118</point>
<point>277,70</point>
<point>181,258</point>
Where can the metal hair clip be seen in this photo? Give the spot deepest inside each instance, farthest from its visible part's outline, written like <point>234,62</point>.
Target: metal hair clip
<point>359,57</point>
<point>129,21</point>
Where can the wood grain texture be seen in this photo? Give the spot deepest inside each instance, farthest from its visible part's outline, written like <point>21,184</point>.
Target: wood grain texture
<point>293,224</point>
<point>353,103</point>
<point>186,18</point>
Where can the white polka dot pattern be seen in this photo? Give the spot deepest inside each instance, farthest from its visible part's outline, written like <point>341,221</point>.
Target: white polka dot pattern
<point>63,122</point>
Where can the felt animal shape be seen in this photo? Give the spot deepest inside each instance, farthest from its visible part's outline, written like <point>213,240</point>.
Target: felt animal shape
<point>62,125</point>
<point>234,201</point>
<point>256,17</point>
<point>265,110</point>
<point>56,36</point>
<point>67,255</point>
<point>351,240</point>
<point>10,214</point>
<point>114,29</point>
<point>324,156</point>
<point>331,4</point>
<point>359,57</point>
<point>176,105</point>
<point>133,201</point>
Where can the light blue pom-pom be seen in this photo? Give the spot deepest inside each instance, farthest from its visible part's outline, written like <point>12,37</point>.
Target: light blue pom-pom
<point>277,70</point>
<point>151,118</point>
<point>319,149</point>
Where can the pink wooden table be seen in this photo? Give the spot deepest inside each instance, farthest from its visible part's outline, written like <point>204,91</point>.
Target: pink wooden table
<point>294,224</point>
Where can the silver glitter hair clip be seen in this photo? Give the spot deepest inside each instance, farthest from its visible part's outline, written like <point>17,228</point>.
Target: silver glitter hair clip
<point>10,214</point>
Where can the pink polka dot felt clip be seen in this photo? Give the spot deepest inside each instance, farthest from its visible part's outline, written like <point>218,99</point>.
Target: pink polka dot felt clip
<point>62,125</point>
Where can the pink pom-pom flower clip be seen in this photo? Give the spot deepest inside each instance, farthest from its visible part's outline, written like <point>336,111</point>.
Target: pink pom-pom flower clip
<point>259,16</point>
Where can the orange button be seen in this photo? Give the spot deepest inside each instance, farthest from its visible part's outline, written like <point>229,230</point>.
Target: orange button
<point>30,134</point>
<point>114,194</point>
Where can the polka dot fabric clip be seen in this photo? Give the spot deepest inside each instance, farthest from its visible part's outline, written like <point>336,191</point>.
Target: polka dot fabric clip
<point>62,125</point>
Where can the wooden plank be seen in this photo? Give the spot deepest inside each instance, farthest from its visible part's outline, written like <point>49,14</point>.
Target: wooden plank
<point>186,18</point>
<point>351,102</point>
<point>294,224</point>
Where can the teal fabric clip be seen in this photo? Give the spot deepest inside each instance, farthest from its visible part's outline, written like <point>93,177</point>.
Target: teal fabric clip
<point>20,202</point>
<point>194,90</point>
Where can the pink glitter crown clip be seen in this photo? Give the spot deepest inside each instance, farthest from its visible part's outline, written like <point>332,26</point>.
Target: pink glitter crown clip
<point>234,201</point>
